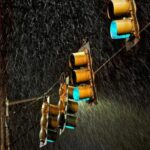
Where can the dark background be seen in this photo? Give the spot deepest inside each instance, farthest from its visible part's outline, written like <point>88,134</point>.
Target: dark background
<point>39,37</point>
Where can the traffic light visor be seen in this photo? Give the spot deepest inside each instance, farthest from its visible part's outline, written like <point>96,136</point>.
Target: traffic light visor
<point>82,93</point>
<point>78,59</point>
<point>114,31</point>
<point>81,75</point>
<point>118,8</point>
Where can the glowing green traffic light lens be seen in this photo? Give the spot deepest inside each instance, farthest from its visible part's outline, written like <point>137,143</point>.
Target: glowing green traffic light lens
<point>70,127</point>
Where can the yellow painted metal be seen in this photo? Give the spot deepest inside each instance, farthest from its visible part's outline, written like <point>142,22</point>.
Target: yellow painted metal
<point>62,92</point>
<point>61,107</point>
<point>45,108</point>
<point>79,59</point>
<point>81,75</point>
<point>119,7</point>
<point>125,26</point>
<point>86,91</point>
<point>43,121</point>
<point>54,110</point>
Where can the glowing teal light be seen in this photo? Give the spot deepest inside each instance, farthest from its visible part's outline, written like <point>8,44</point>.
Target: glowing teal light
<point>50,141</point>
<point>114,32</point>
<point>76,94</point>
<point>70,127</point>
<point>84,99</point>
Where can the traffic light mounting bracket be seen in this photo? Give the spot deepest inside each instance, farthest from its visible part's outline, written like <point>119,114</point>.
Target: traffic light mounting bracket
<point>131,42</point>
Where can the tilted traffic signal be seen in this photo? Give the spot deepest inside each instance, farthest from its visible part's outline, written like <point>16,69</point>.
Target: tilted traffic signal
<point>68,108</point>
<point>56,118</point>
<point>82,86</point>
<point>124,23</point>
<point>49,122</point>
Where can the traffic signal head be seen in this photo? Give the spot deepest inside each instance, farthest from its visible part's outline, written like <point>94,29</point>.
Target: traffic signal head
<point>82,75</point>
<point>124,21</point>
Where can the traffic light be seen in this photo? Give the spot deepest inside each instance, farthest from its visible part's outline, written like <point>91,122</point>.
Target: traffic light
<point>82,86</point>
<point>49,122</point>
<point>56,118</point>
<point>68,108</point>
<point>124,23</point>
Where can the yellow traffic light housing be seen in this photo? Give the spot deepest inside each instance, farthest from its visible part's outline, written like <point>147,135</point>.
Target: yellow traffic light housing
<point>125,24</point>
<point>67,107</point>
<point>56,118</point>
<point>82,76</point>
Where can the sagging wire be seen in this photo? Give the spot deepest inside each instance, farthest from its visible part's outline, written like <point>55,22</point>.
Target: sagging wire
<point>37,98</point>
<point>114,55</point>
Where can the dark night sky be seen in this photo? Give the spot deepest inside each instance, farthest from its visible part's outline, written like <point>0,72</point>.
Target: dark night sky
<point>43,34</point>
